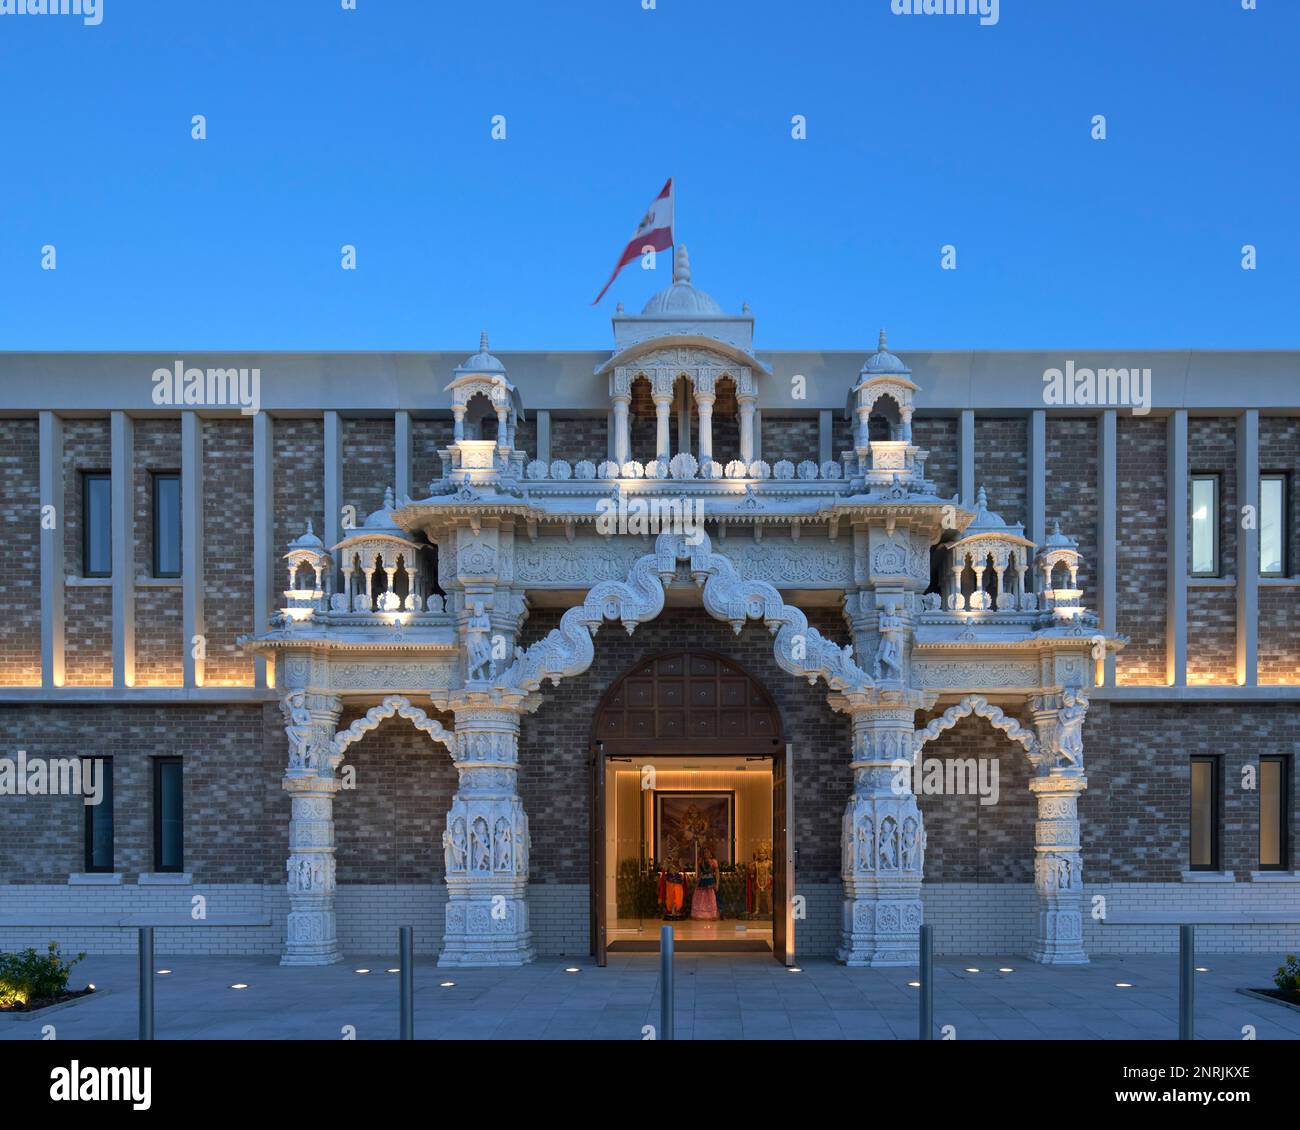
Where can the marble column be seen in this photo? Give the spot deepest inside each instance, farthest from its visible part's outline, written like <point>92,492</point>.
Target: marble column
<point>704,403</point>
<point>486,841</point>
<point>622,438</point>
<point>882,838</point>
<point>311,937</point>
<point>746,404</point>
<point>663,403</point>
<point>1058,861</point>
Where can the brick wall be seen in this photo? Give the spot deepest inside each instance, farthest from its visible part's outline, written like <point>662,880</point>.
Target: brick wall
<point>368,464</point>
<point>388,829</point>
<point>579,437</point>
<point>1071,494</point>
<point>1134,814</point>
<point>88,609</point>
<point>158,610</point>
<point>1000,453</point>
<point>792,438</point>
<point>427,438</point>
<point>20,553</point>
<point>298,486</point>
<point>227,550</point>
<point>232,796</point>
<point>1141,530</point>
<point>938,435</point>
<point>970,842</point>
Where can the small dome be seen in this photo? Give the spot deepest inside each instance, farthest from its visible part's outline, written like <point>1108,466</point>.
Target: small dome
<point>482,361</point>
<point>307,540</point>
<point>1058,540</point>
<point>382,519</point>
<point>681,300</point>
<point>882,361</point>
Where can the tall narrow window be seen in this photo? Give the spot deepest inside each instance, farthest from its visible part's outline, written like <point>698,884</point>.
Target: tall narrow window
<point>1204,525</point>
<point>1274,789</point>
<point>96,524</point>
<point>99,817</point>
<point>168,824</point>
<point>1273,503</point>
<point>166,524</point>
<point>1205,814</point>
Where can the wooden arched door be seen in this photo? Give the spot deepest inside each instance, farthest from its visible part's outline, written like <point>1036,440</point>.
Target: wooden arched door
<point>696,702</point>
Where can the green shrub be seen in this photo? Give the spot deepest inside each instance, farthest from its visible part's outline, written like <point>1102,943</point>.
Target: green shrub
<point>30,976</point>
<point>1288,975</point>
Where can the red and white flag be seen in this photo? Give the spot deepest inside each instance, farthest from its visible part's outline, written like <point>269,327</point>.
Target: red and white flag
<point>653,233</point>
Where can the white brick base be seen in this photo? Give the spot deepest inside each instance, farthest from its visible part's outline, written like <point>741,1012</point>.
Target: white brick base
<point>969,918</point>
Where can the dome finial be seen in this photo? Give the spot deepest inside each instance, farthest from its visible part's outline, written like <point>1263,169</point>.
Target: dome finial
<point>883,343</point>
<point>681,265</point>
<point>483,342</point>
<point>388,498</point>
<point>309,529</point>
<point>982,499</point>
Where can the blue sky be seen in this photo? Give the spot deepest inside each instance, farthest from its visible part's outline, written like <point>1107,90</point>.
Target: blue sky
<point>372,127</point>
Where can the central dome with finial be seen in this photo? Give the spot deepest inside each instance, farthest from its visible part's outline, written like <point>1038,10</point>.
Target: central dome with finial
<point>681,299</point>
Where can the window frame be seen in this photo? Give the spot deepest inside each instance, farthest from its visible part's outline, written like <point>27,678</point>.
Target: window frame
<point>158,764</point>
<point>1214,478</point>
<point>1215,763</point>
<point>87,477</point>
<point>155,477</point>
<point>88,860</point>
<point>1283,816</point>
<point>1284,522</point>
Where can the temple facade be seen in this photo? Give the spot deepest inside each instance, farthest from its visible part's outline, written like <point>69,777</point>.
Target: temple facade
<point>505,648</point>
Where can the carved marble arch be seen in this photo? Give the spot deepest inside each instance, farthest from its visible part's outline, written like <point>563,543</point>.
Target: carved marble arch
<point>798,648</point>
<point>697,697</point>
<point>981,707</point>
<point>393,705</point>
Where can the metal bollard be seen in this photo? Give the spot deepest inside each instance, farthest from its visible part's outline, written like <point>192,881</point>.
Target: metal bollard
<point>406,1018</point>
<point>666,983</point>
<point>926,1004</point>
<point>1186,982</point>
<point>144,950</point>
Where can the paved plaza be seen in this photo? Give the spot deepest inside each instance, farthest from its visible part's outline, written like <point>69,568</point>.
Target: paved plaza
<point>717,997</point>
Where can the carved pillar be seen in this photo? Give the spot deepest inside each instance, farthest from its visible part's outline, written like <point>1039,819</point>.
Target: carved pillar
<point>486,841</point>
<point>622,439</point>
<point>1058,862</point>
<point>704,402</point>
<point>458,411</point>
<point>746,404</point>
<point>882,836</point>
<point>310,935</point>
<point>662,443</point>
